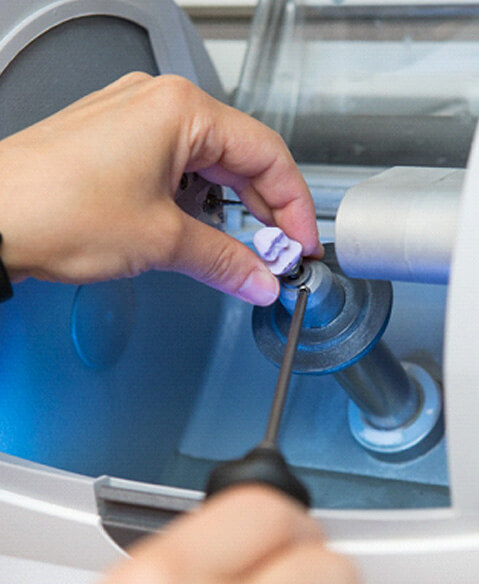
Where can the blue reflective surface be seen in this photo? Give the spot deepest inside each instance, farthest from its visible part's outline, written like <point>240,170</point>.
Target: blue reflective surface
<point>188,387</point>
<point>124,416</point>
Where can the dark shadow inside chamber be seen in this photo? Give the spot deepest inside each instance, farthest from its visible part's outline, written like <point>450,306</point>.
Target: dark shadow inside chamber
<point>68,62</point>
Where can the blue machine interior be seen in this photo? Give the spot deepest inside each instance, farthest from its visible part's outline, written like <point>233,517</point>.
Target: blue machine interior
<point>157,378</point>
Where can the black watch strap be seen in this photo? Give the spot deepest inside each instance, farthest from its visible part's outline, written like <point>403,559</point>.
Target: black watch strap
<point>6,290</point>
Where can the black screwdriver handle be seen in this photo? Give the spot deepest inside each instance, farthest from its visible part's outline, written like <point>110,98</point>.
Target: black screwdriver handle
<point>264,465</point>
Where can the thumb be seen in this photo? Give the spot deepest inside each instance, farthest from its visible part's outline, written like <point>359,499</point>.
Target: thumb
<point>220,261</point>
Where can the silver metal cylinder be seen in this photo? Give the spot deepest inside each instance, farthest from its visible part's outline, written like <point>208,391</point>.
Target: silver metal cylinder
<point>381,388</point>
<point>326,298</point>
<point>400,225</point>
<point>411,439</point>
<point>377,383</point>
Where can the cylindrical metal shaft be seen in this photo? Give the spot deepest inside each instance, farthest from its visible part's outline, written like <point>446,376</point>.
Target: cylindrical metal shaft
<point>380,387</point>
<point>326,298</point>
<point>377,383</point>
<point>400,225</point>
<point>284,376</point>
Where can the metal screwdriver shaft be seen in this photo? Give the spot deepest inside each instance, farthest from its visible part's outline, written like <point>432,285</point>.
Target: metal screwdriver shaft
<point>265,464</point>
<point>285,371</point>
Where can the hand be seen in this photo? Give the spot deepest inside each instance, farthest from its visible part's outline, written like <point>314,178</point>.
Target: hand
<point>87,194</point>
<point>247,535</point>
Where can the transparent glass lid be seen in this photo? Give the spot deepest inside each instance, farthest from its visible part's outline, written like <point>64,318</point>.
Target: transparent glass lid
<point>375,84</point>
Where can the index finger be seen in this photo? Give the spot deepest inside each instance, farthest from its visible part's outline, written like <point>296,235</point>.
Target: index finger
<point>234,532</point>
<point>231,148</point>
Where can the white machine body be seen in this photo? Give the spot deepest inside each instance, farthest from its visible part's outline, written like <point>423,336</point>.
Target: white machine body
<point>413,224</point>
<point>436,546</point>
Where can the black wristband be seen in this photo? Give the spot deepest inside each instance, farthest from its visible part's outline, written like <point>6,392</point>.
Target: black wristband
<point>6,290</point>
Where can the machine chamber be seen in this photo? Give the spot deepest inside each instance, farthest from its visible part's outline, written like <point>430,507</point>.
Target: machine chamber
<point>117,399</point>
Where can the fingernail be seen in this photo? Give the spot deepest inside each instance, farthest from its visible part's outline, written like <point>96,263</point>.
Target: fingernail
<point>260,288</point>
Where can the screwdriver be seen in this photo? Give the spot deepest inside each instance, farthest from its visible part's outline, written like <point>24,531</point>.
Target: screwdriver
<point>265,464</point>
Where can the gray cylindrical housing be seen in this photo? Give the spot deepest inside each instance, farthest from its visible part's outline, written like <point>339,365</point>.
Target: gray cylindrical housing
<point>400,225</point>
<point>380,387</point>
<point>326,298</point>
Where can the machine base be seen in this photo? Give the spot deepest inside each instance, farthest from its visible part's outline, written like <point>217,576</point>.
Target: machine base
<point>414,438</point>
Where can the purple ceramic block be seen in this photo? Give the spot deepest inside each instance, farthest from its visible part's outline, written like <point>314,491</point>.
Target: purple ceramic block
<point>269,242</point>
<point>279,252</point>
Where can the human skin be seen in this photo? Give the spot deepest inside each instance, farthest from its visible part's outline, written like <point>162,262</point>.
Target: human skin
<point>245,535</point>
<point>88,193</point>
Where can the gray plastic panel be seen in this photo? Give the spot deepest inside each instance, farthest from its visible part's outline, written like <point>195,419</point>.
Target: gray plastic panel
<point>70,61</point>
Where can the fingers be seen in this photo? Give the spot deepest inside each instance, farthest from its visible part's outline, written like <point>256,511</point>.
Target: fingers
<point>242,186</point>
<point>232,534</point>
<point>274,180</point>
<point>263,173</point>
<point>216,259</point>
<point>123,149</point>
<point>252,534</point>
<point>231,148</point>
<point>309,563</point>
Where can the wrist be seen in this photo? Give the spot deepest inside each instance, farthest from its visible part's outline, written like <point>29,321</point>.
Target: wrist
<point>10,263</point>
<point>12,216</point>
<point>6,291</point>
